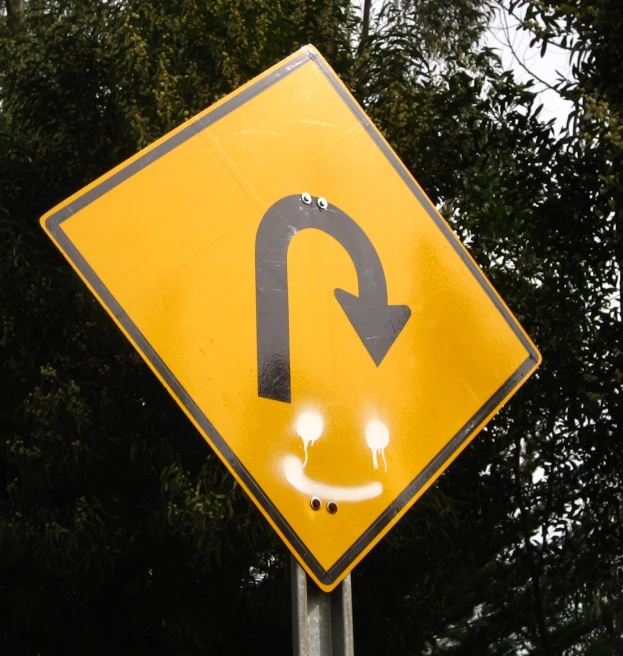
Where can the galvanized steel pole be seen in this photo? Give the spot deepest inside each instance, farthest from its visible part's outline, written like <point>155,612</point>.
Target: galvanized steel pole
<point>322,622</point>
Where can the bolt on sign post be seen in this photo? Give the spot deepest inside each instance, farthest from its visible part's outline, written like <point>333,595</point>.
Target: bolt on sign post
<point>291,285</point>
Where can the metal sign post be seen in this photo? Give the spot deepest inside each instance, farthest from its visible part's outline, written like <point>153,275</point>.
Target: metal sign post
<point>322,622</point>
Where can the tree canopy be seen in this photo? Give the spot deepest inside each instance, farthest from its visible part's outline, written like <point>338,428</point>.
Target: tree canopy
<point>120,531</point>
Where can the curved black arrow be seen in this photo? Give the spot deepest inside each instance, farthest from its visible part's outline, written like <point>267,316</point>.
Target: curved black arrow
<point>377,323</point>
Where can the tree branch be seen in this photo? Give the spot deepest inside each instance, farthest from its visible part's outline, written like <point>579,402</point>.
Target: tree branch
<point>534,568</point>
<point>510,45</point>
<point>365,26</point>
<point>14,7</point>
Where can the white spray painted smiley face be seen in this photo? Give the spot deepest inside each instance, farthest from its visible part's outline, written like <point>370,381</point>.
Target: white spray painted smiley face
<point>309,427</point>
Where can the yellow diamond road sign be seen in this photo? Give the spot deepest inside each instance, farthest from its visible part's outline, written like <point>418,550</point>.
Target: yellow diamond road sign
<point>337,372</point>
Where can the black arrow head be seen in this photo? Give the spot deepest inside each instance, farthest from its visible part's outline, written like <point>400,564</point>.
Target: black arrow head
<point>378,325</point>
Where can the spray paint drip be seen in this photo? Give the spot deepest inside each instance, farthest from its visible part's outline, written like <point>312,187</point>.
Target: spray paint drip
<point>377,437</point>
<point>309,428</point>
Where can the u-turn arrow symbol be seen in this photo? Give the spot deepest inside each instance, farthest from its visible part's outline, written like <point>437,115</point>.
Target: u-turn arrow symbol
<point>377,324</point>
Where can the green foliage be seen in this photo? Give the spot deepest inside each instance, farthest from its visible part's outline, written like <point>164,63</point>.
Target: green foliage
<point>120,531</point>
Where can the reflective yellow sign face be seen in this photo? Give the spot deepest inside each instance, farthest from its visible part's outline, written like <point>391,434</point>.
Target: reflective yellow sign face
<point>337,372</point>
